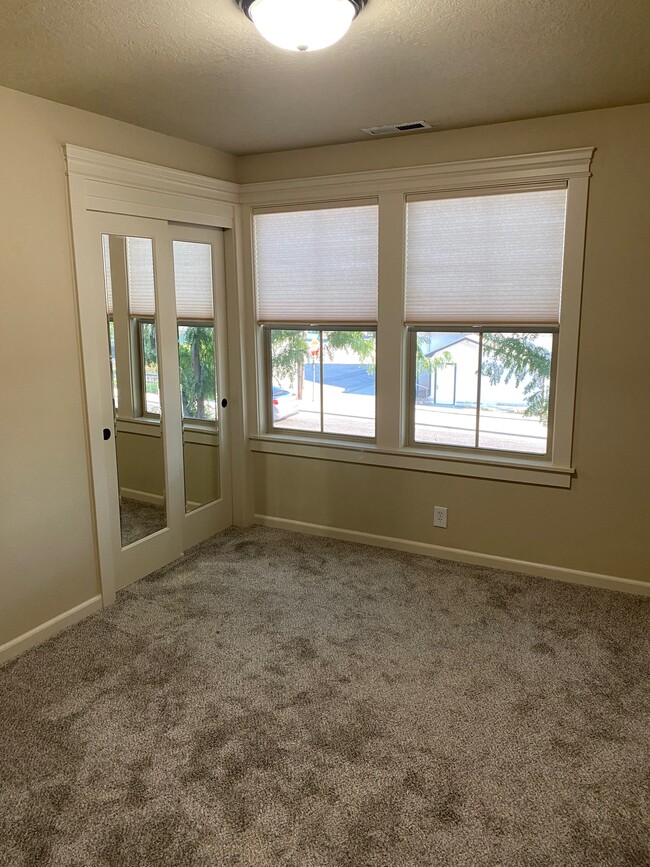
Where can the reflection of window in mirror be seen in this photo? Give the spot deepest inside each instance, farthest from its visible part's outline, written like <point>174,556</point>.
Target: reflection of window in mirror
<point>149,387</point>
<point>111,344</point>
<point>197,369</point>
<point>196,333</point>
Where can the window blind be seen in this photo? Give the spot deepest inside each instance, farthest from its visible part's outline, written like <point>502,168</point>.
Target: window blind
<point>317,266</point>
<point>494,258</point>
<point>193,280</point>
<point>139,266</point>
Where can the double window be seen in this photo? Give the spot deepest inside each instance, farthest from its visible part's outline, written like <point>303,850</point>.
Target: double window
<point>475,282</point>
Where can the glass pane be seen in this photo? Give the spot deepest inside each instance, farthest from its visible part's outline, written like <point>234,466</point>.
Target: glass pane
<point>138,441</point>
<point>446,387</point>
<point>348,371</point>
<point>149,351</point>
<point>515,391</point>
<point>295,373</point>
<point>197,368</point>
<point>193,283</point>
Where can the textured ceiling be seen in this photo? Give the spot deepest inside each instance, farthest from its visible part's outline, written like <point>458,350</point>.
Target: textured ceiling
<point>199,70</point>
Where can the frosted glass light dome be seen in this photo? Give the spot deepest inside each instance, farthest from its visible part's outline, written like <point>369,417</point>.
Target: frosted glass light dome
<point>302,25</point>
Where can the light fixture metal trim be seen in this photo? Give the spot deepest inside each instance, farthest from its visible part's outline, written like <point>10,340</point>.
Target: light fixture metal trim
<point>245,6</point>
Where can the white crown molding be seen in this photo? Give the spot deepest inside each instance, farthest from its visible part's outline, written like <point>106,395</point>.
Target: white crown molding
<point>96,166</point>
<point>541,167</point>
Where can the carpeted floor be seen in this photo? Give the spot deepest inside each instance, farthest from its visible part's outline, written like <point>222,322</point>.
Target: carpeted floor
<point>138,519</point>
<point>275,700</point>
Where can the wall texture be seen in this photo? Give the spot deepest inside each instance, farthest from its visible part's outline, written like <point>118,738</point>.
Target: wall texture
<point>47,561</point>
<point>600,525</point>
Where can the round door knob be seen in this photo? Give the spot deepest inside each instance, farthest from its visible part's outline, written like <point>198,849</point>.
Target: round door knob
<point>224,403</point>
<point>106,433</point>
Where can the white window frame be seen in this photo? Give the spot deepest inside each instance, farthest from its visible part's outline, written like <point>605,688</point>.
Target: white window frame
<point>391,189</point>
<point>267,385</point>
<point>479,331</point>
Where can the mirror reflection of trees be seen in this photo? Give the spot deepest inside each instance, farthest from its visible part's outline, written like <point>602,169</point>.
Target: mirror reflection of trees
<point>197,371</point>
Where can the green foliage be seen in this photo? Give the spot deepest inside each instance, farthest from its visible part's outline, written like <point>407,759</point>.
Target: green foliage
<point>360,342</point>
<point>519,357</point>
<point>197,370</point>
<point>428,363</point>
<point>290,351</point>
<point>505,357</point>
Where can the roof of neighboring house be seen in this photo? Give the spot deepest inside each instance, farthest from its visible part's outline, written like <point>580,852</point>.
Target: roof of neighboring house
<point>443,340</point>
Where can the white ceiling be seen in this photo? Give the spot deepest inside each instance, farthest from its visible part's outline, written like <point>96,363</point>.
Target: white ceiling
<point>198,69</point>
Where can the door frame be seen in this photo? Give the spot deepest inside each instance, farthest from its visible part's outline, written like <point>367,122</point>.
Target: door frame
<point>99,182</point>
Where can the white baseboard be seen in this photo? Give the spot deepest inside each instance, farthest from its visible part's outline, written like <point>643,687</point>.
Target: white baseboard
<point>541,570</point>
<point>142,496</point>
<point>46,630</point>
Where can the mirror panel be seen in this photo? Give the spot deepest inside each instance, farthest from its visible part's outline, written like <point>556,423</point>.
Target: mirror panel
<point>197,358</point>
<point>129,280</point>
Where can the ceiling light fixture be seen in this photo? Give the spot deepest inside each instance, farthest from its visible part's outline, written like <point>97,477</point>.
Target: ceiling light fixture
<point>302,25</point>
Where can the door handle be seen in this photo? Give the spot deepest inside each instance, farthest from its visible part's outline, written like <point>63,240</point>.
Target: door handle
<point>106,433</point>
<point>224,403</point>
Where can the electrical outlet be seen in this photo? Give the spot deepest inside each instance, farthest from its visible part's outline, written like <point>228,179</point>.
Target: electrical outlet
<point>440,517</point>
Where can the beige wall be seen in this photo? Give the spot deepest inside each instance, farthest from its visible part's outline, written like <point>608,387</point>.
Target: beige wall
<point>140,463</point>
<point>601,524</point>
<point>201,466</point>
<point>47,560</point>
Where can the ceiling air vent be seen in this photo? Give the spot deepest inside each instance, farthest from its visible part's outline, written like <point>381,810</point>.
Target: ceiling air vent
<point>393,128</point>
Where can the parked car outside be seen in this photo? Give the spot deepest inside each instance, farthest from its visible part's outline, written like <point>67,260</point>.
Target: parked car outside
<point>285,403</point>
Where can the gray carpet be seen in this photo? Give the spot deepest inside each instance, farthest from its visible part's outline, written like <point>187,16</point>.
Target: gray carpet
<point>138,519</point>
<point>275,700</point>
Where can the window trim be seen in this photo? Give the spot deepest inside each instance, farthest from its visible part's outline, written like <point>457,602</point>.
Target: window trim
<point>140,374</point>
<point>391,188</point>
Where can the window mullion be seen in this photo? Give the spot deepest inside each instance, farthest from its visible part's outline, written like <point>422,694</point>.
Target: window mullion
<point>391,377</point>
<point>478,390</point>
<point>320,382</point>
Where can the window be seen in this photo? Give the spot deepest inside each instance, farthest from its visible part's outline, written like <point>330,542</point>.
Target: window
<point>505,408</point>
<point>316,282</point>
<point>444,307</point>
<point>483,287</point>
<point>323,381</point>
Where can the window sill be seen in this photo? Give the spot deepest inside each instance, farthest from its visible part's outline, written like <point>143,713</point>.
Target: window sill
<point>507,469</point>
<point>142,426</point>
<point>199,433</point>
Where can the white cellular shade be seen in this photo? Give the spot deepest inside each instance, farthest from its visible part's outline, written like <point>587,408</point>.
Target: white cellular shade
<point>108,285</point>
<point>317,266</point>
<point>139,266</point>
<point>494,258</point>
<point>193,280</point>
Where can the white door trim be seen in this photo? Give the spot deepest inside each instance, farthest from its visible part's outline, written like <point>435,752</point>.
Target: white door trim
<point>104,183</point>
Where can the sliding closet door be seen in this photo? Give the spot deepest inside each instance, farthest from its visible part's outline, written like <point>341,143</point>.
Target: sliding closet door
<point>142,454</point>
<point>162,474</point>
<point>199,288</point>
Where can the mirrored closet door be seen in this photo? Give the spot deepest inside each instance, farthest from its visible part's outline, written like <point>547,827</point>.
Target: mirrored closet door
<point>167,473</point>
<point>199,289</point>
